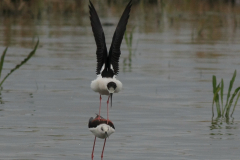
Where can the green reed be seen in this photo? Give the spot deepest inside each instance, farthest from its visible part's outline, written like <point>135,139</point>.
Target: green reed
<point>224,110</point>
<point>128,38</point>
<point>17,66</point>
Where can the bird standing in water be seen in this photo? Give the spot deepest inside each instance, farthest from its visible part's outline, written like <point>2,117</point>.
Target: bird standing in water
<point>101,128</point>
<point>107,62</point>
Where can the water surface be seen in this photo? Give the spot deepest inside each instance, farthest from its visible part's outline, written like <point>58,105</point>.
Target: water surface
<point>164,109</point>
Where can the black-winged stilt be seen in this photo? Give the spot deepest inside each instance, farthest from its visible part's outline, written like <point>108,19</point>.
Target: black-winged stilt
<point>101,128</point>
<point>107,63</point>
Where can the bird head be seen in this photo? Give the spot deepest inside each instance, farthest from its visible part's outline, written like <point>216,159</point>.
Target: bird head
<point>111,87</point>
<point>105,129</point>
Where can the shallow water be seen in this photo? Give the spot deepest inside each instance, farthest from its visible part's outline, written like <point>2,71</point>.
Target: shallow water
<point>164,109</point>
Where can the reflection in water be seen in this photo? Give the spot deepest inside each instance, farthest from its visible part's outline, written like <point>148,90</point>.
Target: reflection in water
<point>218,123</point>
<point>222,126</point>
<point>205,18</point>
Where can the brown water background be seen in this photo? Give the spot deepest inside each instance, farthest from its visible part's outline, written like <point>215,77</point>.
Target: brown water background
<point>164,109</point>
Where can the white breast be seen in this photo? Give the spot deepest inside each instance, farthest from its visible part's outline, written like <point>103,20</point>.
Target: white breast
<point>101,134</point>
<point>100,85</point>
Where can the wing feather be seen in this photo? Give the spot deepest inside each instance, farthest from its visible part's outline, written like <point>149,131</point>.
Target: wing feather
<point>115,52</point>
<point>99,37</point>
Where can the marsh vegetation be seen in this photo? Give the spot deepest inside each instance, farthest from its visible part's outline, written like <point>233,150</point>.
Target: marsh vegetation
<point>29,56</point>
<point>218,92</point>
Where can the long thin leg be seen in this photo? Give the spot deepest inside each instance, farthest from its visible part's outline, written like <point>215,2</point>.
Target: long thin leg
<point>93,147</point>
<point>107,109</point>
<point>100,105</point>
<point>103,148</point>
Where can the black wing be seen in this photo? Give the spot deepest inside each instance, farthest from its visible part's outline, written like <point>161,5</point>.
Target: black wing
<point>90,125</point>
<point>114,52</point>
<point>99,37</point>
<point>93,123</point>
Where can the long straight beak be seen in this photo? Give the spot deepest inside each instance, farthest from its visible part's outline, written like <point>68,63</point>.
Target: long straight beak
<point>106,134</point>
<point>111,99</point>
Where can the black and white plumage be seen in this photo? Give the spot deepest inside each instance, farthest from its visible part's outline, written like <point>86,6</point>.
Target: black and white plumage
<point>101,128</point>
<point>107,63</point>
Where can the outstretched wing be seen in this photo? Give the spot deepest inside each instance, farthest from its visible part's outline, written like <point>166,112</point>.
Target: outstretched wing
<point>114,52</point>
<point>99,37</point>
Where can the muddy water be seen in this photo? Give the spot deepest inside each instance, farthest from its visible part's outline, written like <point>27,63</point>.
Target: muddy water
<point>164,109</point>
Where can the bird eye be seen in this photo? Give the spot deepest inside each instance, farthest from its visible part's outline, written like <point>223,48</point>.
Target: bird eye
<point>101,128</point>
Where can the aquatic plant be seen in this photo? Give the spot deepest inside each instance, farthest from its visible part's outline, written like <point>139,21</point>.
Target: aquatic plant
<point>224,110</point>
<point>129,39</point>
<point>17,66</point>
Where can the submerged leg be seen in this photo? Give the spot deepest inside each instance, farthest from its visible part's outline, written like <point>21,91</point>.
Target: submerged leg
<point>103,148</point>
<point>93,147</point>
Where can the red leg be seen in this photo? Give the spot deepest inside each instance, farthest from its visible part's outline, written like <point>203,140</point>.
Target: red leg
<point>100,106</point>
<point>93,147</point>
<point>103,148</point>
<point>107,109</point>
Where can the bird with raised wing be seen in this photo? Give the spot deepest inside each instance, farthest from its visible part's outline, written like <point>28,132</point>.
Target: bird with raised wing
<point>107,62</point>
